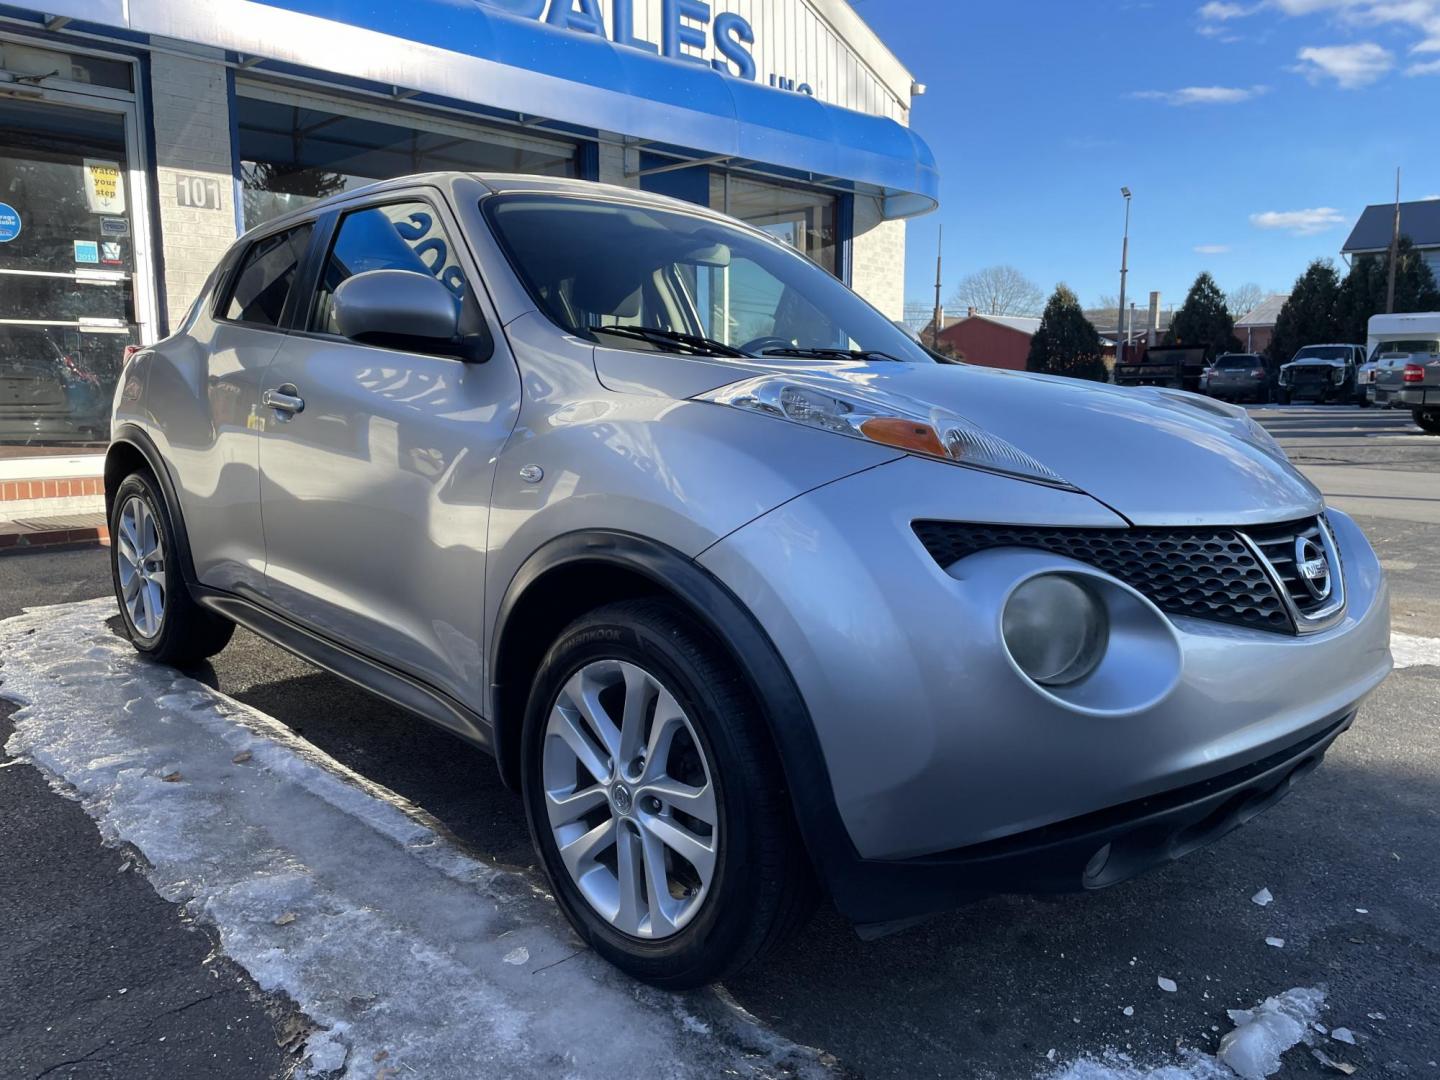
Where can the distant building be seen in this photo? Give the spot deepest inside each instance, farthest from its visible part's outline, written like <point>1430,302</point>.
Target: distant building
<point>1420,221</point>
<point>1256,328</point>
<point>998,341</point>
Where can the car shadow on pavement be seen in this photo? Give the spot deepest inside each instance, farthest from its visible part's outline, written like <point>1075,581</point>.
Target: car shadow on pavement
<point>992,988</point>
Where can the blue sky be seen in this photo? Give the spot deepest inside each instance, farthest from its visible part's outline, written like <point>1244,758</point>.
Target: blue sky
<point>1252,133</point>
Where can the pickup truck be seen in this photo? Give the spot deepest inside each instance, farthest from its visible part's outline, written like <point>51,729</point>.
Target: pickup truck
<point>1321,373</point>
<point>1180,367</point>
<point>1414,385</point>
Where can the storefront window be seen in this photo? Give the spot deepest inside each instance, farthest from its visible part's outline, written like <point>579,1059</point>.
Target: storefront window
<point>67,271</point>
<point>804,219</point>
<point>292,154</point>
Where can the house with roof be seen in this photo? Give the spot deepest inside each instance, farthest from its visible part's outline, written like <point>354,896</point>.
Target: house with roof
<point>1420,221</point>
<point>998,341</point>
<point>1256,327</point>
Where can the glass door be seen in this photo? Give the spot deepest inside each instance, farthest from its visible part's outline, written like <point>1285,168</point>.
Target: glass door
<point>73,289</point>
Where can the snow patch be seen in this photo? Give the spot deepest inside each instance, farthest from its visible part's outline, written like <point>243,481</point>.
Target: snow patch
<point>1262,1034</point>
<point>1251,1051</point>
<point>329,889</point>
<point>1262,898</point>
<point>1411,650</point>
<point>1168,985</point>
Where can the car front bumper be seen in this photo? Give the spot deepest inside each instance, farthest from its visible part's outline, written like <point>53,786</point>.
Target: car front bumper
<point>946,764</point>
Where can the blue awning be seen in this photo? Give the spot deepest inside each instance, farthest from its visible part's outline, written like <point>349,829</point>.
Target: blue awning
<point>504,62</point>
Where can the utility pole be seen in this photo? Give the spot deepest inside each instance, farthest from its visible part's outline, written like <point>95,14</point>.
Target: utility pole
<point>1394,250</point>
<point>939,311</point>
<point>1124,272</point>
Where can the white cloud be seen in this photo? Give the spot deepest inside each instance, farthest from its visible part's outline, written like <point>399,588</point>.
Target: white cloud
<point>1212,249</point>
<point>1351,66</point>
<point>1430,67</point>
<point>1299,222</point>
<point>1203,95</point>
<point>1420,18</point>
<point>1221,11</point>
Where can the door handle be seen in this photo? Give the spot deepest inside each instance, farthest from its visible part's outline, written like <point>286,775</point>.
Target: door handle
<point>285,399</point>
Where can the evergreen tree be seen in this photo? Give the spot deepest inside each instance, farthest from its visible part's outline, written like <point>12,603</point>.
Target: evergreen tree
<point>1204,320</point>
<point>1066,343</point>
<point>1310,316</point>
<point>1364,290</point>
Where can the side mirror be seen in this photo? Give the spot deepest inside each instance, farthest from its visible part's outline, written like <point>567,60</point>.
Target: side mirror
<point>397,308</point>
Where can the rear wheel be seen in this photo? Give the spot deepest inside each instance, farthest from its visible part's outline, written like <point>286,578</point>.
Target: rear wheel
<point>161,618</point>
<point>1428,419</point>
<point>655,801</point>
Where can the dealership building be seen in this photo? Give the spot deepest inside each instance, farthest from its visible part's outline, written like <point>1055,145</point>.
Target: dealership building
<point>138,138</point>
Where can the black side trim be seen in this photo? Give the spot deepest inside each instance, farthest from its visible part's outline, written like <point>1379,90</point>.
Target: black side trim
<point>395,687</point>
<point>717,608</point>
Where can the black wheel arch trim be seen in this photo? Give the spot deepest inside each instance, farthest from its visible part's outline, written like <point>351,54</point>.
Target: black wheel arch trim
<point>723,614</point>
<point>135,437</point>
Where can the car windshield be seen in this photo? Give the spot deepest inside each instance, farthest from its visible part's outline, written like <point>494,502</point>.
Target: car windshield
<point>641,277</point>
<point>1324,352</point>
<point>1408,345</point>
<point>1227,363</point>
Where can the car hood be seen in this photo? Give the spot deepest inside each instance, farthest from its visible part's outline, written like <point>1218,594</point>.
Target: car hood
<point>1316,361</point>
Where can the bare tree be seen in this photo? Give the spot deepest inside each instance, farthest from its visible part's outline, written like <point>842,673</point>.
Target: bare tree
<point>998,290</point>
<point>1244,299</point>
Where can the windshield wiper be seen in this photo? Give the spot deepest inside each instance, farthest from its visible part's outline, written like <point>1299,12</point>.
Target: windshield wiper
<point>699,346</point>
<point>821,353</point>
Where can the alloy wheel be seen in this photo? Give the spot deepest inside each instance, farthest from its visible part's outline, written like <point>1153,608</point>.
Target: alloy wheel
<point>140,557</point>
<point>630,800</point>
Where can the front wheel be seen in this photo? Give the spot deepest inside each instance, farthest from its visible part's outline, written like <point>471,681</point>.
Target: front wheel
<point>655,800</point>
<point>161,618</point>
<point>1428,419</point>
<point>1283,397</point>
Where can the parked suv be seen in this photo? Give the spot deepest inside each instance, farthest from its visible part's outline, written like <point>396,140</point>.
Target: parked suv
<point>1321,373</point>
<point>747,596</point>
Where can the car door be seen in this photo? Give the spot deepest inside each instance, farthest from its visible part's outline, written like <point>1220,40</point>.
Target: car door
<point>376,467</point>
<point>203,390</point>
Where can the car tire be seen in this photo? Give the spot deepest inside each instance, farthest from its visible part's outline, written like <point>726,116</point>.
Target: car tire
<point>760,887</point>
<point>161,618</point>
<point>1283,397</point>
<point>1428,419</point>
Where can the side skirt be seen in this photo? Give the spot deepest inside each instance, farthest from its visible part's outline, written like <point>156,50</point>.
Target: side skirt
<point>395,687</point>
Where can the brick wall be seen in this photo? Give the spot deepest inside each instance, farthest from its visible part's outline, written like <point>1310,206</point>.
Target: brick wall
<point>192,138</point>
<point>878,251</point>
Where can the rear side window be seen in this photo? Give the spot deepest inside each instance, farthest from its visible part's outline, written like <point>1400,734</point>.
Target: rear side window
<point>265,277</point>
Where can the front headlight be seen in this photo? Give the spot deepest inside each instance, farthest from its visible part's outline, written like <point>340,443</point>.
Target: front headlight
<point>883,418</point>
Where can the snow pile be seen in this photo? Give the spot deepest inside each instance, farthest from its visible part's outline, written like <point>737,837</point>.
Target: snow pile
<point>1251,1051</point>
<point>1411,650</point>
<point>396,943</point>
<point>1262,1034</point>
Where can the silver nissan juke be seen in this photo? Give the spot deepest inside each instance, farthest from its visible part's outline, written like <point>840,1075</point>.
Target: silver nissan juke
<point>749,598</point>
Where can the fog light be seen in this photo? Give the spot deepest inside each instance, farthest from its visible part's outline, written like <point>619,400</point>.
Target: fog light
<point>1056,629</point>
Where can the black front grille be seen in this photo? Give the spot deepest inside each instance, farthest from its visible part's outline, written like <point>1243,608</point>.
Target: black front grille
<point>1205,573</point>
<point>1278,543</point>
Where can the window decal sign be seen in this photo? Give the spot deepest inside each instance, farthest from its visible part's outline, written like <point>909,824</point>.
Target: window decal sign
<point>111,253</point>
<point>9,223</point>
<point>87,251</point>
<point>114,226</point>
<point>104,186</point>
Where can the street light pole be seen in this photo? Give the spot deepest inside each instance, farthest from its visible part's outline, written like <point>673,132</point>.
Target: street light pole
<point>1120,334</point>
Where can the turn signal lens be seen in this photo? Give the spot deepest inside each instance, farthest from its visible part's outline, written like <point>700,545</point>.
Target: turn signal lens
<point>904,434</point>
<point>1414,373</point>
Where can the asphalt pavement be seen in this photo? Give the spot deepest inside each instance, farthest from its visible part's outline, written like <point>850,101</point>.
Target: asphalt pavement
<point>1011,987</point>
